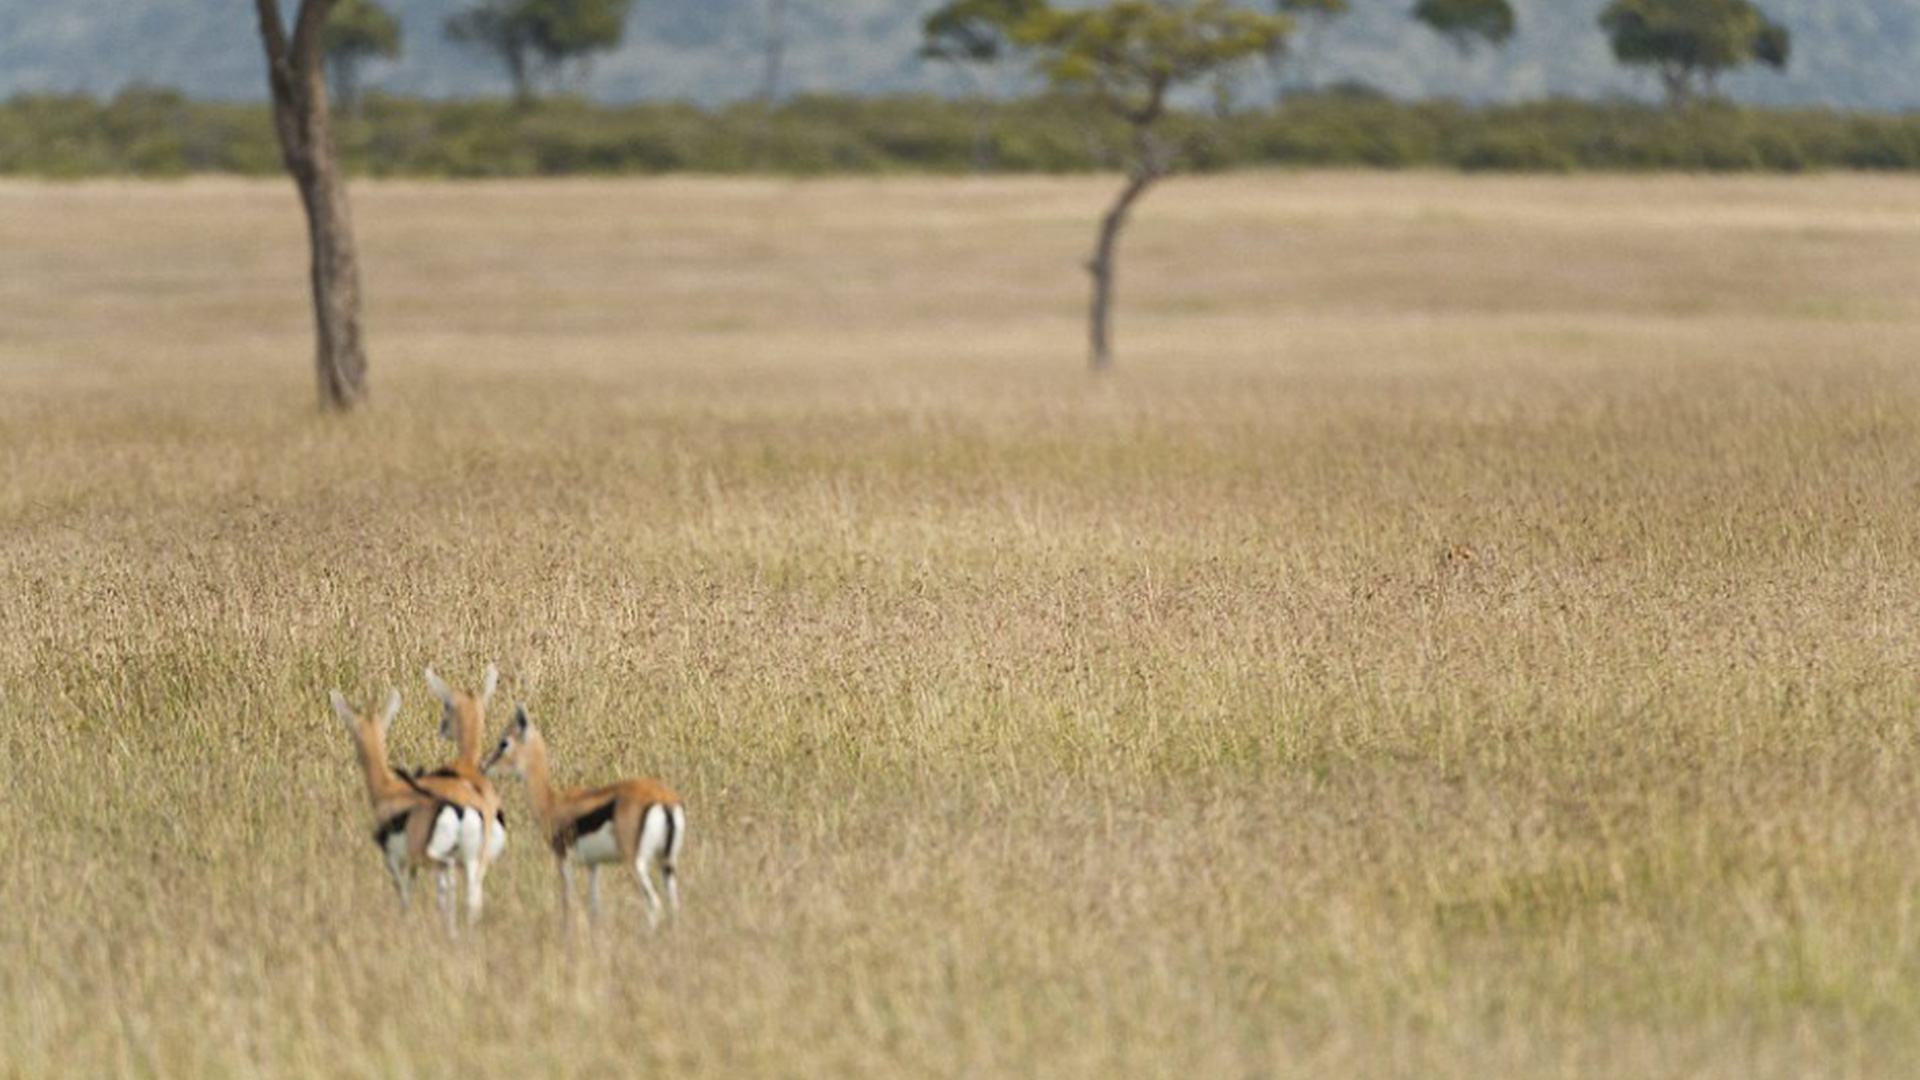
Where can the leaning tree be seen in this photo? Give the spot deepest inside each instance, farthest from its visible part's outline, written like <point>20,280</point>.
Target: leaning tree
<point>1692,42</point>
<point>303,124</point>
<point>1126,57</point>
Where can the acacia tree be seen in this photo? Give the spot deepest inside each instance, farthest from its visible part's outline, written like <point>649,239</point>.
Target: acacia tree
<point>1126,57</point>
<point>303,124</point>
<point>1691,42</point>
<point>532,37</point>
<point>1468,23</point>
<point>358,31</point>
<point>975,37</point>
<point>1311,20</point>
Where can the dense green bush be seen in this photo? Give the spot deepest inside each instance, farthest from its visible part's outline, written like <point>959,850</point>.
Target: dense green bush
<point>149,132</point>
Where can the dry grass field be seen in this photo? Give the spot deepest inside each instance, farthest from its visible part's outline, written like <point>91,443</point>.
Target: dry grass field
<point>1477,633</point>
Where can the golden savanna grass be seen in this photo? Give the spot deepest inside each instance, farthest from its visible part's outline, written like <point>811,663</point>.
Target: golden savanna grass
<point>1477,633</point>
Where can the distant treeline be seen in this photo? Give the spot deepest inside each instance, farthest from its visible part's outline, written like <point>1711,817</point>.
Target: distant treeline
<point>160,133</point>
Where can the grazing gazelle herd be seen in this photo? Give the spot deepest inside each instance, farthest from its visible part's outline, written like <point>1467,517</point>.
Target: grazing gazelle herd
<point>450,820</point>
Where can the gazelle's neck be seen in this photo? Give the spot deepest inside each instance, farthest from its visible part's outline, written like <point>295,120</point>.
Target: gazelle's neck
<point>533,766</point>
<point>470,736</point>
<point>381,783</point>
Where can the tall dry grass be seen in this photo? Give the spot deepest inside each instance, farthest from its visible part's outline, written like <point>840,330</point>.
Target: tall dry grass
<point>1475,635</point>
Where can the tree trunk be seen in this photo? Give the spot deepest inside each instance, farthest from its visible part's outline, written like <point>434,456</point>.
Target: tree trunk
<point>983,142</point>
<point>980,104</point>
<point>303,124</point>
<point>1148,166</point>
<point>1678,79</point>
<point>344,81</point>
<point>776,54</point>
<point>1100,331</point>
<point>517,70</point>
<point>342,354</point>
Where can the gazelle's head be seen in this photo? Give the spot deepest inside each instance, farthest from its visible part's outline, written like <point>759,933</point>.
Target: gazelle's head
<point>460,711</point>
<point>368,730</point>
<point>520,741</point>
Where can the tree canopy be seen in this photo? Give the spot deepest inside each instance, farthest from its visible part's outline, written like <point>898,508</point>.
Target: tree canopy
<point>974,31</point>
<point>1131,53</point>
<point>1467,23</point>
<point>361,30</point>
<point>526,34</point>
<point>357,31</point>
<point>1318,10</point>
<point>1691,42</point>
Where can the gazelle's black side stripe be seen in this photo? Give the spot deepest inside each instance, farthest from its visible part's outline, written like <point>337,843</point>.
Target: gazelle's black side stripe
<point>412,780</point>
<point>666,851</point>
<point>594,820</point>
<point>394,824</point>
<point>585,825</point>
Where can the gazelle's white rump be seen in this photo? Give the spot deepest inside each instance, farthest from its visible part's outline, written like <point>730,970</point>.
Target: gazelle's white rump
<point>657,834</point>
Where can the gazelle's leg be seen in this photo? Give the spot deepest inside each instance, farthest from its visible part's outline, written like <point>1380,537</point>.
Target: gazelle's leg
<point>566,894</point>
<point>646,888</point>
<point>473,861</point>
<point>670,856</point>
<point>402,882</point>
<point>476,874</point>
<point>593,892</point>
<point>443,883</point>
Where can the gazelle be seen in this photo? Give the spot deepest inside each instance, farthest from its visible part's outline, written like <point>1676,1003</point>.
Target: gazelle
<point>431,823</point>
<point>638,823</point>
<point>463,720</point>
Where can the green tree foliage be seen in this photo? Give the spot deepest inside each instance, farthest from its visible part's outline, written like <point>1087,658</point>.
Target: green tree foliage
<point>357,31</point>
<point>1691,42</point>
<point>534,36</point>
<point>1467,23</point>
<point>974,36</point>
<point>974,31</point>
<point>1304,12</point>
<point>1126,57</point>
<point>1129,55</point>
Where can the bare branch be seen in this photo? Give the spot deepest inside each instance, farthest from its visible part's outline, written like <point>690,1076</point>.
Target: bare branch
<point>284,85</point>
<point>272,31</point>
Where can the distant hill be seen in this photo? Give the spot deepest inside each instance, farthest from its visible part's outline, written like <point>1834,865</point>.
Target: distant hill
<point>1849,53</point>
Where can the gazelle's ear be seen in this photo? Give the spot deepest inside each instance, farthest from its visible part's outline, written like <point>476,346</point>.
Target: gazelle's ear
<point>521,721</point>
<point>440,688</point>
<point>488,684</point>
<point>343,710</point>
<point>392,710</point>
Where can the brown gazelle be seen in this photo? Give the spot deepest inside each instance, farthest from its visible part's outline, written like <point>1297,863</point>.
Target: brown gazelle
<point>463,721</point>
<point>637,823</point>
<point>430,823</point>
